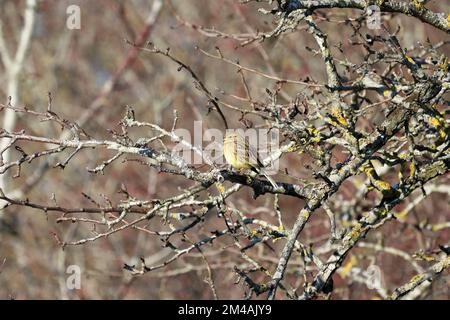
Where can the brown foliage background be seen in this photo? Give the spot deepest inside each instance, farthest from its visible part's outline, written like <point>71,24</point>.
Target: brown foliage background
<point>74,64</point>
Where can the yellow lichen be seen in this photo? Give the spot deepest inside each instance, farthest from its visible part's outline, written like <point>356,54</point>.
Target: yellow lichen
<point>402,215</point>
<point>388,93</point>
<point>382,185</point>
<point>438,227</point>
<point>412,169</point>
<point>356,231</point>
<point>368,169</point>
<point>383,212</point>
<point>277,238</point>
<point>220,187</point>
<point>445,63</point>
<point>418,4</point>
<point>305,214</point>
<point>410,60</point>
<point>338,114</point>
<point>312,131</point>
<point>293,148</point>
<point>254,233</point>
<point>345,270</point>
<point>434,121</point>
<point>416,278</point>
<point>403,155</point>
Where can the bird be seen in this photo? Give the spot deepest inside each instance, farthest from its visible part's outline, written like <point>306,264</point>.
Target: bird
<point>242,156</point>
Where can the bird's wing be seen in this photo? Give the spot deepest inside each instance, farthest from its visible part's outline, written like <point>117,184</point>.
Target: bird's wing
<point>253,155</point>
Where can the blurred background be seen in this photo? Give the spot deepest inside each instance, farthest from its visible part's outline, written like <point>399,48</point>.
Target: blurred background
<point>77,66</point>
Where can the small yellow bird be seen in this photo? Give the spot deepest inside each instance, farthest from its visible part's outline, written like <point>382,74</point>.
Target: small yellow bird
<point>242,156</point>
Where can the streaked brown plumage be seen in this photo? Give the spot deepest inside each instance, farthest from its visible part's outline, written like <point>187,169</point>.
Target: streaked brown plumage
<point>242,156</point>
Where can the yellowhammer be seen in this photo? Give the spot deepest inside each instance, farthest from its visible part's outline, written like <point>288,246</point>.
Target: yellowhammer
<point>242,156</point>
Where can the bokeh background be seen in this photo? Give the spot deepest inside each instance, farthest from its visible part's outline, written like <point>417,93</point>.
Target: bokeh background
<point>74,66</point>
